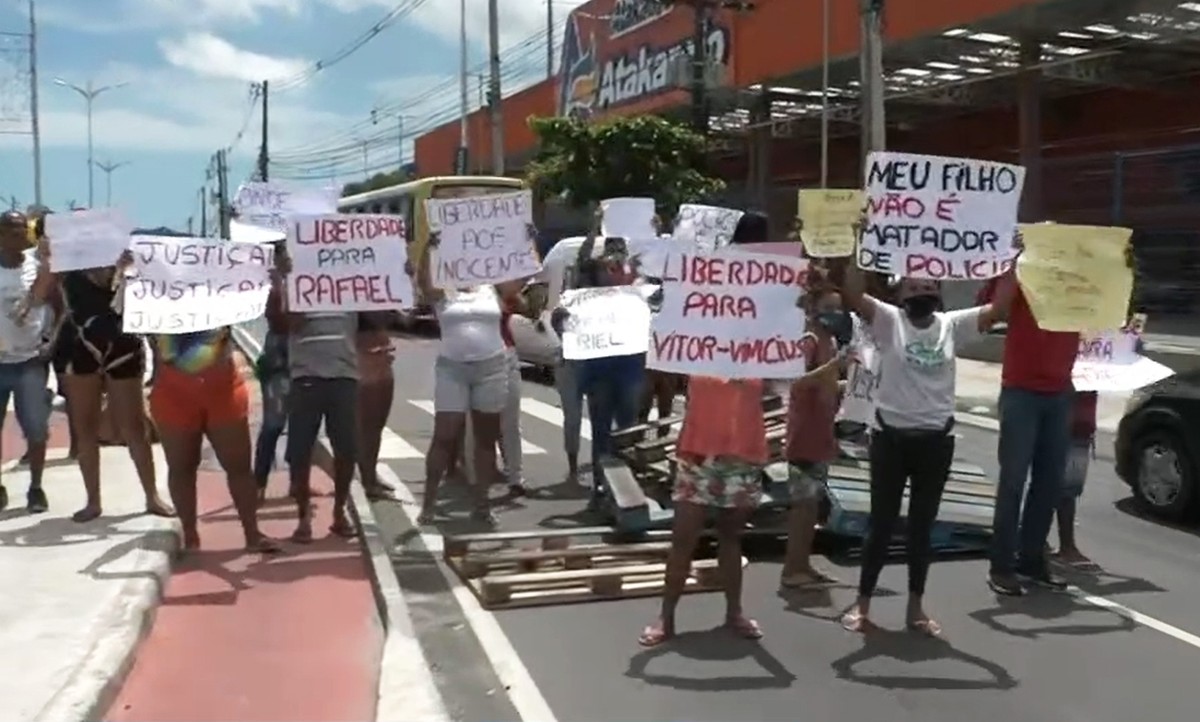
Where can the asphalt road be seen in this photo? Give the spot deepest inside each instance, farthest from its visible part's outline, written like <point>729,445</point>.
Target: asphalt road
<point>1052,657</point>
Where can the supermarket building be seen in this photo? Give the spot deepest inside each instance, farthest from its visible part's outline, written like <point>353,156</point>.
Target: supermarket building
<point>1096,98</point>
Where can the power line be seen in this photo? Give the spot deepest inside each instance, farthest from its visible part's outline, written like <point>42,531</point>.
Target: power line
<point>521,63</point>
<point>395,15</point>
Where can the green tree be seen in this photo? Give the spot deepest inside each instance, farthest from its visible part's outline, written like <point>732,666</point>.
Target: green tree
<point>645,156</point>
<point>375,182</point>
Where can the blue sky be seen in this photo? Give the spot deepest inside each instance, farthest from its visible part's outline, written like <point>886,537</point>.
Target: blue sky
<point>189,64</point>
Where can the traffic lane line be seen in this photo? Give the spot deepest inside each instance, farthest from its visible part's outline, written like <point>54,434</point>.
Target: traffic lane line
<point>1107,535</point>
<point>1052,646</point>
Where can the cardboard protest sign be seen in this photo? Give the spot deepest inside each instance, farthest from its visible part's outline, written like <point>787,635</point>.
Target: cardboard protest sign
<point>941,218</point>
<point>484,239</point>
<point>272,205</point>
<point>706,228</point>
<point>1109,361</point>
<point>613,321</point>
<point>348,263</point>
<point>829,217</point>
<point>862,379</point>
<point>730,315</point>
<point>1075,278</point>
<point>628,218</point>
<point>183,285</point>
<point>87,239</point>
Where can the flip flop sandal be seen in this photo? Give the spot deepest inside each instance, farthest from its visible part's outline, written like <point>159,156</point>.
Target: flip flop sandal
<point>343,529</point>
<point>745,628</point>
<point>857,623</point>
<point>267,547</point>
<point>925,627</point>
<point>302,536</point>
<point>381,493</point>
<point>805,580</point>
<point>652,636</point>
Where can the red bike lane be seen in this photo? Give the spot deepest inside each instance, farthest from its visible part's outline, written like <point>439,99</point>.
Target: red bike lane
<point>251,638</point>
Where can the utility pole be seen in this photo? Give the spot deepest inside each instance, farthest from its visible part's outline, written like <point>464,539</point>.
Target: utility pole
<point>263,157</point>
<point>89,93</point>
<point>494,90</point>
<point>223,194</point>
<point>460,158</point>
<point>701,9</point>
<point>874,127</point>
<point>189,225</point>
<point>108,169</point>
<point>549,39</point>
<point>34,120</point>
<point>204,211</point>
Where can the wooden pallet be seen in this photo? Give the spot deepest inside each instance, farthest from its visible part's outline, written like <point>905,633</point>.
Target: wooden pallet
<point>556,571</point>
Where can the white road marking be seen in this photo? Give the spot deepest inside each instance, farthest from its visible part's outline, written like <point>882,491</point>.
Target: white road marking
<point>393,447</point>
<point>517,681</point>
<point>526,447</point>
<point>1137,617</point>
<point>552,415</point>
<point>982,422</point>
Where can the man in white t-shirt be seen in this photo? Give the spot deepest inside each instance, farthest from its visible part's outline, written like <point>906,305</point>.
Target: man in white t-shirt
<point>25,285</point>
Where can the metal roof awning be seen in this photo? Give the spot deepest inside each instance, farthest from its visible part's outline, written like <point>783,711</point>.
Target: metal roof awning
<point>1085,44</point>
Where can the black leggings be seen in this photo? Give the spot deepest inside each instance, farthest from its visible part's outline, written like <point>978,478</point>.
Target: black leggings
<point>898,456</point>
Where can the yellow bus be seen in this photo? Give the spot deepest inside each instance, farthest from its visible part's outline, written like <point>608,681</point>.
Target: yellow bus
<point>408,200</point>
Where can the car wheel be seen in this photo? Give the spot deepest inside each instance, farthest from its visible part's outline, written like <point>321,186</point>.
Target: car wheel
<point>1165,478</point>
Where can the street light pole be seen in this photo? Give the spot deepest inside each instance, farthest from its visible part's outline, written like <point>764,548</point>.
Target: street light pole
<point>108,169</point>
<point>89,93</point>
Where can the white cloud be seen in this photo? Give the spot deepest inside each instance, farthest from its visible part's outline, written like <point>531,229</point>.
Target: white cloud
<point>206,54</point>
<point>122,16</point>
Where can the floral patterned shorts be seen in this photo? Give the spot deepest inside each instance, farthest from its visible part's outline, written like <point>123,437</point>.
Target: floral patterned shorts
<point>719,482</point>
<point>808,481</point>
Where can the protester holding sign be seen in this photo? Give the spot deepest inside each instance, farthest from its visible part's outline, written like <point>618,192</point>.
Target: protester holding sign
<point>200,392</point>
<point>1083,446</point>
<point>323,365</point>
<point>376,388</point>
<point>612,383</point>
<point>25,287</point>
<point>812,409</point>
<point>101,359</point>
<point>721,452</point>
<point>271,368</point>
<point>1035,439</point>
<point>470,376</point>
<point>911,440</point>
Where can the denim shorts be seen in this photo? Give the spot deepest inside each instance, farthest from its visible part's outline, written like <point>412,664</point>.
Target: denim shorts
<point>807,480</point>
<point>25,384</point>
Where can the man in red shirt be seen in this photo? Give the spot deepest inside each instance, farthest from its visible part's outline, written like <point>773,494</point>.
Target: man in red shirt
<point>1035,437</point>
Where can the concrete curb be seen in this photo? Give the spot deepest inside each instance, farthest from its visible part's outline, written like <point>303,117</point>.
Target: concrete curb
<point>110,652</point>
<point>405,688</point>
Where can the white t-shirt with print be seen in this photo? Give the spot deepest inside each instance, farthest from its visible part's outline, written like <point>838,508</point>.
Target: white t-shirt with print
<point>20,339</point>
<point>917,365</point>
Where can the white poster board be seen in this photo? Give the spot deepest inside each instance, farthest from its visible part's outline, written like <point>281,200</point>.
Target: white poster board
<point>627,218</point>
<point>1109,362</point>
<point>484,239</point>
<point>348,263</point>
<point>612,321</point>
<point>707,228</point>
<point>942,218</point>
<point>862,378</point>
<point>731,315</point>
<point>271,206</point>
<point>184,285</point>
<point>87,239</point>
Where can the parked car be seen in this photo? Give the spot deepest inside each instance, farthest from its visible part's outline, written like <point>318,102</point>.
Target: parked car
<point>1158,446</point>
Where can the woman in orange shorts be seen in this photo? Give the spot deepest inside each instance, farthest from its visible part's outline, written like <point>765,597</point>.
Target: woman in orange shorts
<point>200,391</point>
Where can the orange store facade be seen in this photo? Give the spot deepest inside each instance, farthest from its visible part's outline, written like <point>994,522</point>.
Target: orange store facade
<point>1100,150</point>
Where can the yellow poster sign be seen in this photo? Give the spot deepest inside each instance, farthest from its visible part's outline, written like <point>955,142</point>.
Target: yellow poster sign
<point>829,217</point>
<point>1076,278</point>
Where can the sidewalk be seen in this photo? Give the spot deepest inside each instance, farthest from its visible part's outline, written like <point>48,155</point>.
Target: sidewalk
<point>77,597</point>
<point>237,636</point>
<point>978,386</point>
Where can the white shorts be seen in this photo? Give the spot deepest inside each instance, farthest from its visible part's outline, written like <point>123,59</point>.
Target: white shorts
<point>461,386</point>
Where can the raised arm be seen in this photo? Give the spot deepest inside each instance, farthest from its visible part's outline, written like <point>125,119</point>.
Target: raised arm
<point>424,276</point>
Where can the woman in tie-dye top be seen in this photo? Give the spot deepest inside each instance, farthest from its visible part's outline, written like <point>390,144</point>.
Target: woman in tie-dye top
<point>200,391</point>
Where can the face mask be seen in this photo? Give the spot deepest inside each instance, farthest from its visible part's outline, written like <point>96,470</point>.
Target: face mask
<point>837,324</point>
<point>920,308</point>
